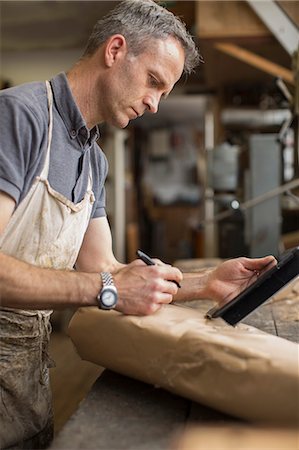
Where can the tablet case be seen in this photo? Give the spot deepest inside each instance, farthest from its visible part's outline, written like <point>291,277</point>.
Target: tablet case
<point>261,290</point>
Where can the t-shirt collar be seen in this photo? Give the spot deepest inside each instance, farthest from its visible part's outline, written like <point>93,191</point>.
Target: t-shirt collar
<point>70,113</point>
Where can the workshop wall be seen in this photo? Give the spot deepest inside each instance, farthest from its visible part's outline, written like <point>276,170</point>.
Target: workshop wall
<point>19,67</point>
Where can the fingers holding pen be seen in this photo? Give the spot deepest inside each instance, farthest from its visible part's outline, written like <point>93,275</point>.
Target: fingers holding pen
<point>169,274</point>
<point>153,262</point>
<point>164,278</point>
<point>144,289</point>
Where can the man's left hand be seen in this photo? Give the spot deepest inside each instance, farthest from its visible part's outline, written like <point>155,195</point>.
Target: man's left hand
<point>233,276</point>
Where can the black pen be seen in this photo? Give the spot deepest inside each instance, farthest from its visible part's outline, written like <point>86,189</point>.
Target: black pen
<point>147,260</point>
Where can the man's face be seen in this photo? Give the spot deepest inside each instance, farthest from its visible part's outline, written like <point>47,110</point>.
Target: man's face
<point>137,83</point>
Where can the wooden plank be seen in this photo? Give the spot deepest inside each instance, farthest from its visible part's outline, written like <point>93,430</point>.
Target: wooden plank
<point>262,318</point>
<point>286,316</point>
<point>256,61</point>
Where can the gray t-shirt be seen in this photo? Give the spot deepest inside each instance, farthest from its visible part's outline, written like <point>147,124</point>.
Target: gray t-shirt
<point>23,143</point>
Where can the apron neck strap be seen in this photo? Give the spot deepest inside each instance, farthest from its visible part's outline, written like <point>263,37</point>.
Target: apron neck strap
<point>45,171</point>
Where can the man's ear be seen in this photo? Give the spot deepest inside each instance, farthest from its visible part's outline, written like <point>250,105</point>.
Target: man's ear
<point>116,47</point>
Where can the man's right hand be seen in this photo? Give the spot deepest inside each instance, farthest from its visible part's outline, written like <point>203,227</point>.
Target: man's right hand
<point>143,289</point>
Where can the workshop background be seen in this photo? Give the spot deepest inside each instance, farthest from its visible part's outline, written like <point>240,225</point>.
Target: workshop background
<point>215,173</point>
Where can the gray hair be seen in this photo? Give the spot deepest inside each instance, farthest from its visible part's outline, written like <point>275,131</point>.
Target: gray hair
<point>139,21</point>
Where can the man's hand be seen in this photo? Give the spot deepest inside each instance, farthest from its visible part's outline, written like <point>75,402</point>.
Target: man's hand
<point>233,276</point>
<point>144,289</point>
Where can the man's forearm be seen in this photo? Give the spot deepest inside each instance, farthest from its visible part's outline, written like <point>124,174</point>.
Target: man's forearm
<point>193,286</point>
<point>26,286</point>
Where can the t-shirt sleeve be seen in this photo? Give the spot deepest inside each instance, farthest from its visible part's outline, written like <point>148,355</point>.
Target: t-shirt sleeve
<point>20,139</point>
<point>100,207</point>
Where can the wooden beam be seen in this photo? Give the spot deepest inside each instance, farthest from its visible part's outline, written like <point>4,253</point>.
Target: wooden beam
<point>291,8</point>
<point>227,19</point>
<point>256,61</point>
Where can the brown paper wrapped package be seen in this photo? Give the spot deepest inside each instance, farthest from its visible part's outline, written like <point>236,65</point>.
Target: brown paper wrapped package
<point>240,371</point>
<point>236,437</point>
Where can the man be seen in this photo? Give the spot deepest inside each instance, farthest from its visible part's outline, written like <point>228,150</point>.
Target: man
<point>52,204</point>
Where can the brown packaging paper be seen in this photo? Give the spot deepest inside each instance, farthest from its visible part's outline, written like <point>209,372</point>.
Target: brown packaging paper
<point>236,437</point>
<point>241,371</point>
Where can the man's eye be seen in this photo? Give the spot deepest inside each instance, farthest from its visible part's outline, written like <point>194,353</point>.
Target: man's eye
<point>153,81</point>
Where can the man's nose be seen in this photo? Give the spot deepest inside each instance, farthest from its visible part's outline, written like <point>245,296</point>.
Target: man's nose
<point>152,103</point>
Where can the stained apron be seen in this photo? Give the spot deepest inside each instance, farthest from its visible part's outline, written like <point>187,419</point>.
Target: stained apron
<point>45,230</point>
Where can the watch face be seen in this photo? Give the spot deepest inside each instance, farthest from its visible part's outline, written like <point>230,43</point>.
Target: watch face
<point>108,297</point>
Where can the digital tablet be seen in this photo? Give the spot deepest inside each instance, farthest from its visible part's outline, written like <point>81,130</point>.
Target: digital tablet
<point>268,284</point>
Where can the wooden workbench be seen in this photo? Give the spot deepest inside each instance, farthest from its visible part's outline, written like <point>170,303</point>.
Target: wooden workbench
<point>122,413</point>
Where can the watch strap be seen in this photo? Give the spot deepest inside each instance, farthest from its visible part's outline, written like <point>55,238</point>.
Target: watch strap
<point>107,279</point>
<point>107,286</point>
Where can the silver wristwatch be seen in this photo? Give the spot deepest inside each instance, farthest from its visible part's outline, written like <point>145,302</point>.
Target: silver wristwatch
<point>107,297</point>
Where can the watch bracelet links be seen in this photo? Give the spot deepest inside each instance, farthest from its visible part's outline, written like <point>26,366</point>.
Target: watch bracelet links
<point>107,279</point>
<point>107,283</point>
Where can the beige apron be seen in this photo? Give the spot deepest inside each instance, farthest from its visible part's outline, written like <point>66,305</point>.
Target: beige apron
<point>46,230</point>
